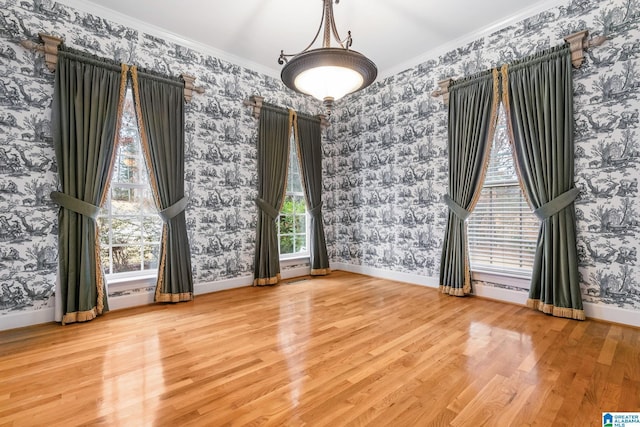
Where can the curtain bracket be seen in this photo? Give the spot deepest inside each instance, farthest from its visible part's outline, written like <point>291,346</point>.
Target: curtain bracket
<point>189,87</point>
<point>443,90</point>
<point>323,121</point>
<point>255,102</point>
<point>49,47</point>
<point>578,43</point>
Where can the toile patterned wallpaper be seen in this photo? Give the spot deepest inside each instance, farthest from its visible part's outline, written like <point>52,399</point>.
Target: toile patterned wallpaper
<point>385,157</point>
<point>386,161</point>
<point>220,147</point>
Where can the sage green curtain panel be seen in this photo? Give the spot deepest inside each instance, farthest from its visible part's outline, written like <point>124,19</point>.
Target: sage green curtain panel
<point>538,95</point>
<point>274,131</point>
<point>87,95</point>
<point>473,105</point>
<point>309,140</point>
<point>160,110</point>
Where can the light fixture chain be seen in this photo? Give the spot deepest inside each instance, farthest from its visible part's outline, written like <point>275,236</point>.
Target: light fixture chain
<point>344,43</point>
<point>328,22</point>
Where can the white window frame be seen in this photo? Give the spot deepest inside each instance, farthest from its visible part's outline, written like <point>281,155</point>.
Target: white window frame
<point>136,278</point>
<point>300,194</point>
<point>510,276</point>
<point>296,255</point>
<point>112,277</point>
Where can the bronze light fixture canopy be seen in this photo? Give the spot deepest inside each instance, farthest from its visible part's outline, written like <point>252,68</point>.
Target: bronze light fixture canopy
<point>327,73</point>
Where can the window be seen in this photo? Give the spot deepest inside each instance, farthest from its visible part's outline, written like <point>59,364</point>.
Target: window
<point>502,229</point>
<point>130,227</point>
<point>292,222</point>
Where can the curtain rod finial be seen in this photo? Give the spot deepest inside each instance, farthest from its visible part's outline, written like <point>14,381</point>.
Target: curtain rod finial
<point>597,41</point>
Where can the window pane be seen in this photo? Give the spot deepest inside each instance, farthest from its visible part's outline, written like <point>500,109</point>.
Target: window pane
<point>128,168</point>
<point>301,222</point>
<point>293,181</point>
<point>123,201</point>
<point>126,258</point>
<point>299,205</point>
<point>131,200</point>
<point>104,258</point>
<point>296,185</point>
<point>125,230</point>
<point>286,224</point>
<point>152,229</point>
<point>300,243</point>
<point>286,244</point>
<point>103,224</point>
<point>151,254</point>
<point>289,182</point>
<point>287,206</point>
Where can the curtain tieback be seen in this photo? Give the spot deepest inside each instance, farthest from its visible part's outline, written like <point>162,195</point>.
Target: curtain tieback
<point>556,205</point>
<point>265,207</point>
<point>457,210</point>
<point>316,211</point>
<point>174,209</point>
<point>75,205</point>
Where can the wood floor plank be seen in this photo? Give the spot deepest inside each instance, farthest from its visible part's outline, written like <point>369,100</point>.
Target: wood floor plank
<point>345,349</point>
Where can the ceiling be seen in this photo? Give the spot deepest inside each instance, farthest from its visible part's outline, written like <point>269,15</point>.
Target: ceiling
<point>395,34</point>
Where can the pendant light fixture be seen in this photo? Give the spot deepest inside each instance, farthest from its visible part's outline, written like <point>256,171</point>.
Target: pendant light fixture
<point>327,73</point>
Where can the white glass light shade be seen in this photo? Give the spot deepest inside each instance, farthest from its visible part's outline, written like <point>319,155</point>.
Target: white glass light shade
<point>328,82</point>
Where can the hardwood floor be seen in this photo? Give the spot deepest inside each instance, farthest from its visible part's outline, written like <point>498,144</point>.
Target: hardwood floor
<point>341,350</point>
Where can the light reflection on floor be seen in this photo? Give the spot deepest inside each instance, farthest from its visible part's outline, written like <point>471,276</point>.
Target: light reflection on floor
<point>294,333</point>
<point>120,389</point>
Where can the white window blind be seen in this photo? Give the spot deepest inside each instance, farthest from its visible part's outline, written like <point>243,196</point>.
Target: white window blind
<point>502,229</point>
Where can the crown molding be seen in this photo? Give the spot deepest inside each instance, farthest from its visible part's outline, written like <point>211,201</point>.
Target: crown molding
<point>145,27</point>
<point>485,31</point>
<point>120,18</point>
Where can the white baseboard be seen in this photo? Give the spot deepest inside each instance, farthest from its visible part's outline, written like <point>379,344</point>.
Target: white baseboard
<point>33,317</point>
<point>500,294</point>
<point>240,282</point>
<point>414,279</point>
<point>296,272</point>
<point>221,285</point>
<point>612,314</point>
<point>145,298</point>
<point>591,310</point>
<point>21,319</point>
<point>131,300</point>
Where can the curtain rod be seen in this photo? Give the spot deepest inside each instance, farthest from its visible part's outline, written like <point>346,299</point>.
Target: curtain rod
<point>90,59</point>
<point>578,44</point>
<point>51,44</point>
<point>257,104</point>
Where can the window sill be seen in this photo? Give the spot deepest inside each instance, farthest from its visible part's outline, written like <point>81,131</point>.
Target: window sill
<point>295,259</point>
<point>131,282</point>
<point>502,279</point>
